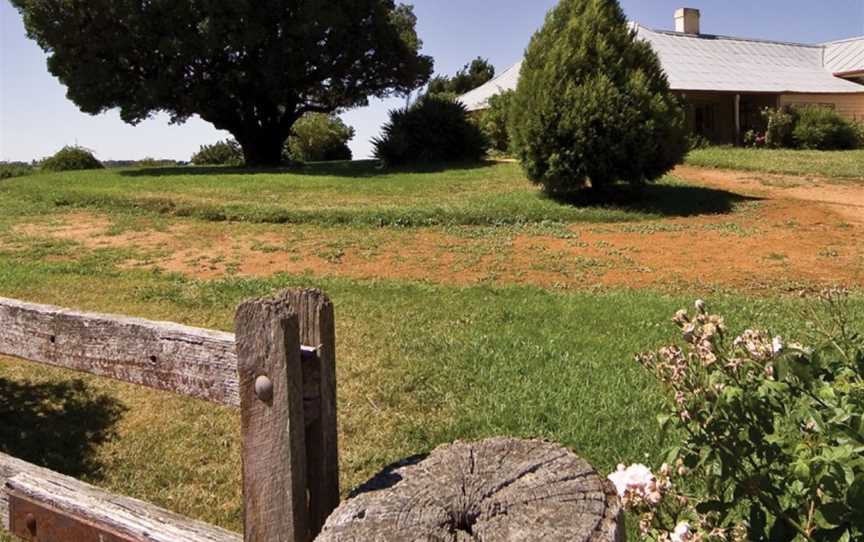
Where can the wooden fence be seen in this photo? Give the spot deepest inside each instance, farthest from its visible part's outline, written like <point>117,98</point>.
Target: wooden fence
<point>279,369</point>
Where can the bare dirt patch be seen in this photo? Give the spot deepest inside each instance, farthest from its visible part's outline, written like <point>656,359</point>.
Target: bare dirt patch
<point>802,232</point>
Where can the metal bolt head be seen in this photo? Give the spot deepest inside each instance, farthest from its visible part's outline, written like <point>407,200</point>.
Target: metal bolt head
<point>264,388</point>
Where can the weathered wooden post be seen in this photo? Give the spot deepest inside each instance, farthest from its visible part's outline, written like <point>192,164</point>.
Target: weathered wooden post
<point>286,363</point>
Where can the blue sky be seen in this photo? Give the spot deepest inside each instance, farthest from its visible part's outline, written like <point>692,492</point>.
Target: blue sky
<point>36,119</point>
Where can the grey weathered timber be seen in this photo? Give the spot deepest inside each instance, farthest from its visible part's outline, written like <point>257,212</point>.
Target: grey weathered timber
<point>317,329</point>
<point>499,489</point>
<point>185,360</point>
<point>273,427</point>
<point>125,516</point>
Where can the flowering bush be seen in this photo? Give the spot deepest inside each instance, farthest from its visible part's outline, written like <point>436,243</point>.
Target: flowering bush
<point>773,434</point>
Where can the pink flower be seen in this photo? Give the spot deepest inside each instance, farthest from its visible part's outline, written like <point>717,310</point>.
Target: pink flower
<point>636,478</point>
<point>682,532</point>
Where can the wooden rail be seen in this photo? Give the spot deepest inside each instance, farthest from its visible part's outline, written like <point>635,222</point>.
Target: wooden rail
<point>279,370</point>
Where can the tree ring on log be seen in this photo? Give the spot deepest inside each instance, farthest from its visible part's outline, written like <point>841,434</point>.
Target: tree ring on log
<point>499,489</point>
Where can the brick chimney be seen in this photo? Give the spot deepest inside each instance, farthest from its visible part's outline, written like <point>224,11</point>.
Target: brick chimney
<point>687,20</point>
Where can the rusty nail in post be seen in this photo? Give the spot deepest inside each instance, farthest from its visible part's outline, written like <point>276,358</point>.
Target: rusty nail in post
<point>30,522</point>
<point>264,388</point>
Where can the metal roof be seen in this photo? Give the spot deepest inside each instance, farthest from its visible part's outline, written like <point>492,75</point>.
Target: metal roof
<point>845,56</point>
<point>719,63</point>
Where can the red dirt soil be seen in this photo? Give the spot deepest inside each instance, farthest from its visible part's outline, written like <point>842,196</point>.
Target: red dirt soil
<point>803,232</point>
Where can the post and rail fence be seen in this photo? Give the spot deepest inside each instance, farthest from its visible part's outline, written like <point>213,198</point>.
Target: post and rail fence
<point>279,369</point>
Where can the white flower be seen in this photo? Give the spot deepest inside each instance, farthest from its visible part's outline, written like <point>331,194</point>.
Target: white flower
<point>777,345</point>
<point>681,533</point>
<point>700,306</point>
<point>636,478</point>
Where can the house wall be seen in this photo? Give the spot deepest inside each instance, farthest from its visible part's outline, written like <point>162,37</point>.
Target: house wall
<point>850,106</point>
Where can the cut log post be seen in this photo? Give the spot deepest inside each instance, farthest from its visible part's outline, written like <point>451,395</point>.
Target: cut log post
<point>499,489</point>
<point>272,423</point>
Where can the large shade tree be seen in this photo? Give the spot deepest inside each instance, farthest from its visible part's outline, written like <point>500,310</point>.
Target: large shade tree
<point>251,67</point>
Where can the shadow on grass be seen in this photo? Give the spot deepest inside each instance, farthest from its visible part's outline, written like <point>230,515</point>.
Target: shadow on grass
<point>668,200</point>
<point>56,425</point>
<point>388,477</point>
<point>356,169</point>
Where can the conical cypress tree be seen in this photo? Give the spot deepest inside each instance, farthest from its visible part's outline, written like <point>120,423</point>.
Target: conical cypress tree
<point>593,103</point>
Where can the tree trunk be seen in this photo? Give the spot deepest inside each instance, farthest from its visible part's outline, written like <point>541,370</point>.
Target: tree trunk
<point>262,148</point>
<point>499,489</point>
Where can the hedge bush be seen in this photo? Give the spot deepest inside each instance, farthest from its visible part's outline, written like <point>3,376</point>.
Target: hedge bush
<point>71,158</point>
<point>318,137</point>
<point>14,169</point>
<point>495,122</point>
<point>593,104</point>
<point>822,128</point>
<point>222,153</point>
<point>433,130</point>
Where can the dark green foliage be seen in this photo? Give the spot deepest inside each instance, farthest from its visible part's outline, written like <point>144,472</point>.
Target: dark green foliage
<point>14,169</point>
<point>71,158</point>
<point>149,162</point>
<point>468,78</point>
<point>821,128</point>
<point>495,121</point>
<point>222,153</point>
<point>780,123</point>
<point>250,67</point>
<point>433,130</point>
<point>593,104</point>
<point>318,137</point>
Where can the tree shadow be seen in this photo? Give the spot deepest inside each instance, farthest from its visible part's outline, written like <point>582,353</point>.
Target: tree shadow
<point>668,200</point>
<point>388,477</point>
<point>354,169</point>
<point>57,425</point>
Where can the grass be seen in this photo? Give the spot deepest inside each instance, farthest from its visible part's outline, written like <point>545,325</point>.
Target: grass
<point>847,165</point>
<point>419,365</point>
<point>356,193</point>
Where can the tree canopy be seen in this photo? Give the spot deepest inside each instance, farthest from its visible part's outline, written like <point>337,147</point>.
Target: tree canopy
<point>251,67</point>
<point>478,72</point>
<point>593,104</point>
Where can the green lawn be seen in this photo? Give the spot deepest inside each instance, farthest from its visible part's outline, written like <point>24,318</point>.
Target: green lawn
<point>418,365</point>
<point>829,164</point>
<point>356,193</point>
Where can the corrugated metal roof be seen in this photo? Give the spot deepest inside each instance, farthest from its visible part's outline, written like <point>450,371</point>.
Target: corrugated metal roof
<point>479,97</point>
<point>845,56</point>
<point>719,63</point>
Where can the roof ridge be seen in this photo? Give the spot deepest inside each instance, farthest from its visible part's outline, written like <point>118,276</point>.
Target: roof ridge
<point>733,38</point>
<point>845,40</point>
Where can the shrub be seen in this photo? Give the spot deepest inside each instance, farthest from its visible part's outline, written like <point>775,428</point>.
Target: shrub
<point>823,128</point>
<point>318,137</point>
<point>433,130</point>
<point>697,141</point>
<point>593,104</point>
<point>779,125</point>
<point>154,162</point>
<point>222,153</point>
<point>495,122</point>
<point>773,433</point>
<point>71,158</point>
<point>858,126</point>
<point>14,169</point>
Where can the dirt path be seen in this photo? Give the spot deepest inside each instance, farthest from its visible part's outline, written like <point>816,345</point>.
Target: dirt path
<point>803,232</point>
